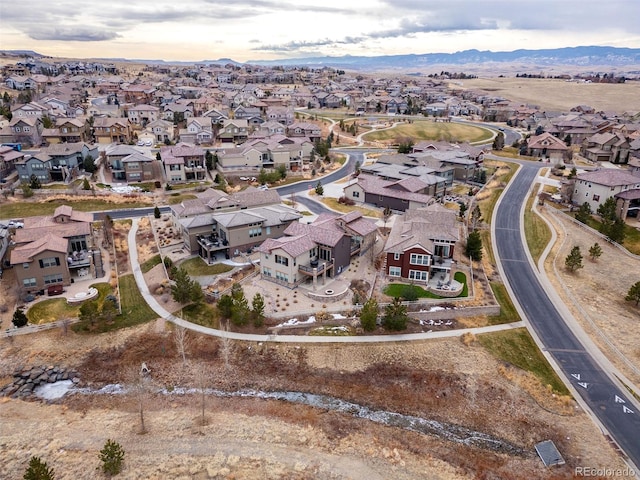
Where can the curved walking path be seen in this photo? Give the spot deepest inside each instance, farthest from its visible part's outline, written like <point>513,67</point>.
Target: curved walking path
<point>156,307</point>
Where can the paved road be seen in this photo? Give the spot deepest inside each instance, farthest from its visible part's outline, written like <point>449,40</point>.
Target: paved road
<point>607,401</point>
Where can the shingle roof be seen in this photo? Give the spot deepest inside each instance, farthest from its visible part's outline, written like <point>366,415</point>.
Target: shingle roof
<point>609,177</point>
<point>422,226</point>
<point>293,246</point>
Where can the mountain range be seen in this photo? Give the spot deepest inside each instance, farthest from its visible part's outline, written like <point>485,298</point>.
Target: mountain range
<point>583,56</point>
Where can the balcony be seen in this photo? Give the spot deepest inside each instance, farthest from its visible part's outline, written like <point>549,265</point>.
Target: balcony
<point>196,168</point>
<point>355,248</point>
<point>442,262</point>
<point>211,243</point>
<point>78,259</point>
<point>315,268</point>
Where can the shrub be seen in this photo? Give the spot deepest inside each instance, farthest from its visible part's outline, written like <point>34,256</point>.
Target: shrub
<point>111,456</point>
<point>38,470</point>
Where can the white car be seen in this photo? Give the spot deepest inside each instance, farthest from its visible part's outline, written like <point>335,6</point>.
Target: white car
<point>140,143</point>
<point>148,143</point>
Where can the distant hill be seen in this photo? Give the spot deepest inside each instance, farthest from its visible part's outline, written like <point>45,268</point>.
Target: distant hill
<point>569,56</point>
<point>574,56</point>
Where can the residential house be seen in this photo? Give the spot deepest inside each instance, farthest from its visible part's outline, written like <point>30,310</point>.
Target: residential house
<point>323,248</point>
<point>183,163</point>
<point>54,249</point>
<point>397,195</point>
<point>162,130</point>
<point>131,168</point>
<point>305,129</point>
<point>597,186</point>
<point>143,114</point>
<point>606,147</point>
<point>216,223</point>
<point>26,130</point>
<point>546,146</point>
<point>66,159</point>
<point>112,130</point>
<point>199,131</point>
<point>67,130</point>
<point>233,131</point>
<point>31,110</point>
<point>8,159</point>
<point>421,245</point>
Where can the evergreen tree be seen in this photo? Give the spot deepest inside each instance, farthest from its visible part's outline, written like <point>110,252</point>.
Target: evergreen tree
<point>156,212</point>
<point>463,209</point>
<point>85,184</point>
<point>257,310</point>
<point>34,182</point>
<point>112,457</point>
<point>369,315</point>
<point>89,164</point>
<point>473,249</point>
<point>240,309</point>
<point>185,289</point>
<point>395,316</point>
<point>225,306</point>
<point>574,259</point>
<point>584,213</point>
<point>319,189</point>
<point>19,318</point>
<point>38,470</point>
<point>633,295</point>
<point>595,251</point>
<point>498,142</point>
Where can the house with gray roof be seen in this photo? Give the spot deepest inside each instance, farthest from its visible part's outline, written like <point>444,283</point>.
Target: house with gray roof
<point>421,245</point>
<point>321,249</point>
<point>392,194</point>
<point>597,186</point>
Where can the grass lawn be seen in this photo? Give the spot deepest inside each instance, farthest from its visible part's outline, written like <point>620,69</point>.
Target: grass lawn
<point>488,204</point>
<point>536,230</point>
<point>181,186</point>
<point>631,235</point>
<point>135,309</point>
<point>31,209</point>
<point>508,312</point>
<point>201,314</point>
<point>399,289</point>
<point>149,264</point>
<point>196,267</point>
<point>512,152</point>
<point>54,309</point>
<point>428,130</point>
<point>341,207</point>
<point>518,348</point>
<point>176,198</point>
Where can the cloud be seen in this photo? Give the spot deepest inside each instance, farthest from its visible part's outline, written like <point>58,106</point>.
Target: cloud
<point>71,34</point>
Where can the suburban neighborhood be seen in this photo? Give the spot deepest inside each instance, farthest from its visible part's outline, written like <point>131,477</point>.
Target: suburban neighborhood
<point>309,225</point>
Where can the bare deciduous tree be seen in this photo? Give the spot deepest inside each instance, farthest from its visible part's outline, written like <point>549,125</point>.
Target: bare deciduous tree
<point>181,338</point>
<point>225,349</point>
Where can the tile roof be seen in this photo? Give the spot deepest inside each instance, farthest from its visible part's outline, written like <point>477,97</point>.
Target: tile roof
<point>609,177</point>
<point>48,242</point>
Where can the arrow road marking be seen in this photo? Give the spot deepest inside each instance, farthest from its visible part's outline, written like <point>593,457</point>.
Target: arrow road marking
<point>583,384</point>
<point>619,400</point>
<point>626,409</point>
<point>576,376</point>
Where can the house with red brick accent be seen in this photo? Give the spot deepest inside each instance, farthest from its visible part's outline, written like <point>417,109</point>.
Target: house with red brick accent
<point>421,245</point>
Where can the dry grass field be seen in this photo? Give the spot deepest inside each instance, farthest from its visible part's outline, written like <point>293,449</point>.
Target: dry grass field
<point>561,95</point>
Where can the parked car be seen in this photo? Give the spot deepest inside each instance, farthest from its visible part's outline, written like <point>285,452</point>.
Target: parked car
<point>15,224</point>
<point>148,143</point>
<point>140,143</point>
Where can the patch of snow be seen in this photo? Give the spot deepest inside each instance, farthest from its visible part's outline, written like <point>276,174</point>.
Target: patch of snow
<point>125,189</point>
<point>53,391</point>
<point>295,321</point>
<point>338,316</point>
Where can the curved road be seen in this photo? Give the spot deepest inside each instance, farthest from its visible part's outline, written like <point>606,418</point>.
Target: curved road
<point>609,403</point>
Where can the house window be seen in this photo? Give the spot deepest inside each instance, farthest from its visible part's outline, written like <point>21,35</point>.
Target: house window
<point>356,194</point>
<point>395,271</point>
<point>255,232</point>
<point>266,272</point>
<point>25,265</point>
<point>29,282</point>
<point>281,276</point>
<point>26,129</point>
<point>50,279</point>
<point>49,262</point>
<point>418,275</point>
<point>396,256</point>
<point>417,259</point>
<point>282,260</point>
<point>268,230</point>
<point>596,198</point>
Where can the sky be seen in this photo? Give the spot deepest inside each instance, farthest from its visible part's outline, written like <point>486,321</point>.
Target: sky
<point>244,30</point>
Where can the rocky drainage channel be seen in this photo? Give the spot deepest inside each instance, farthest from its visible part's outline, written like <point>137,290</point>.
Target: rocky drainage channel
<point>27,380</point>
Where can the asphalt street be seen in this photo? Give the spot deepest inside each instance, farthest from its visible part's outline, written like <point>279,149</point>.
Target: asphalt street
<point>609,403</point>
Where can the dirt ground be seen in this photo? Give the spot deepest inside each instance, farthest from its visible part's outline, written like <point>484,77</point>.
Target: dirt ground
<point>443,380</point>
